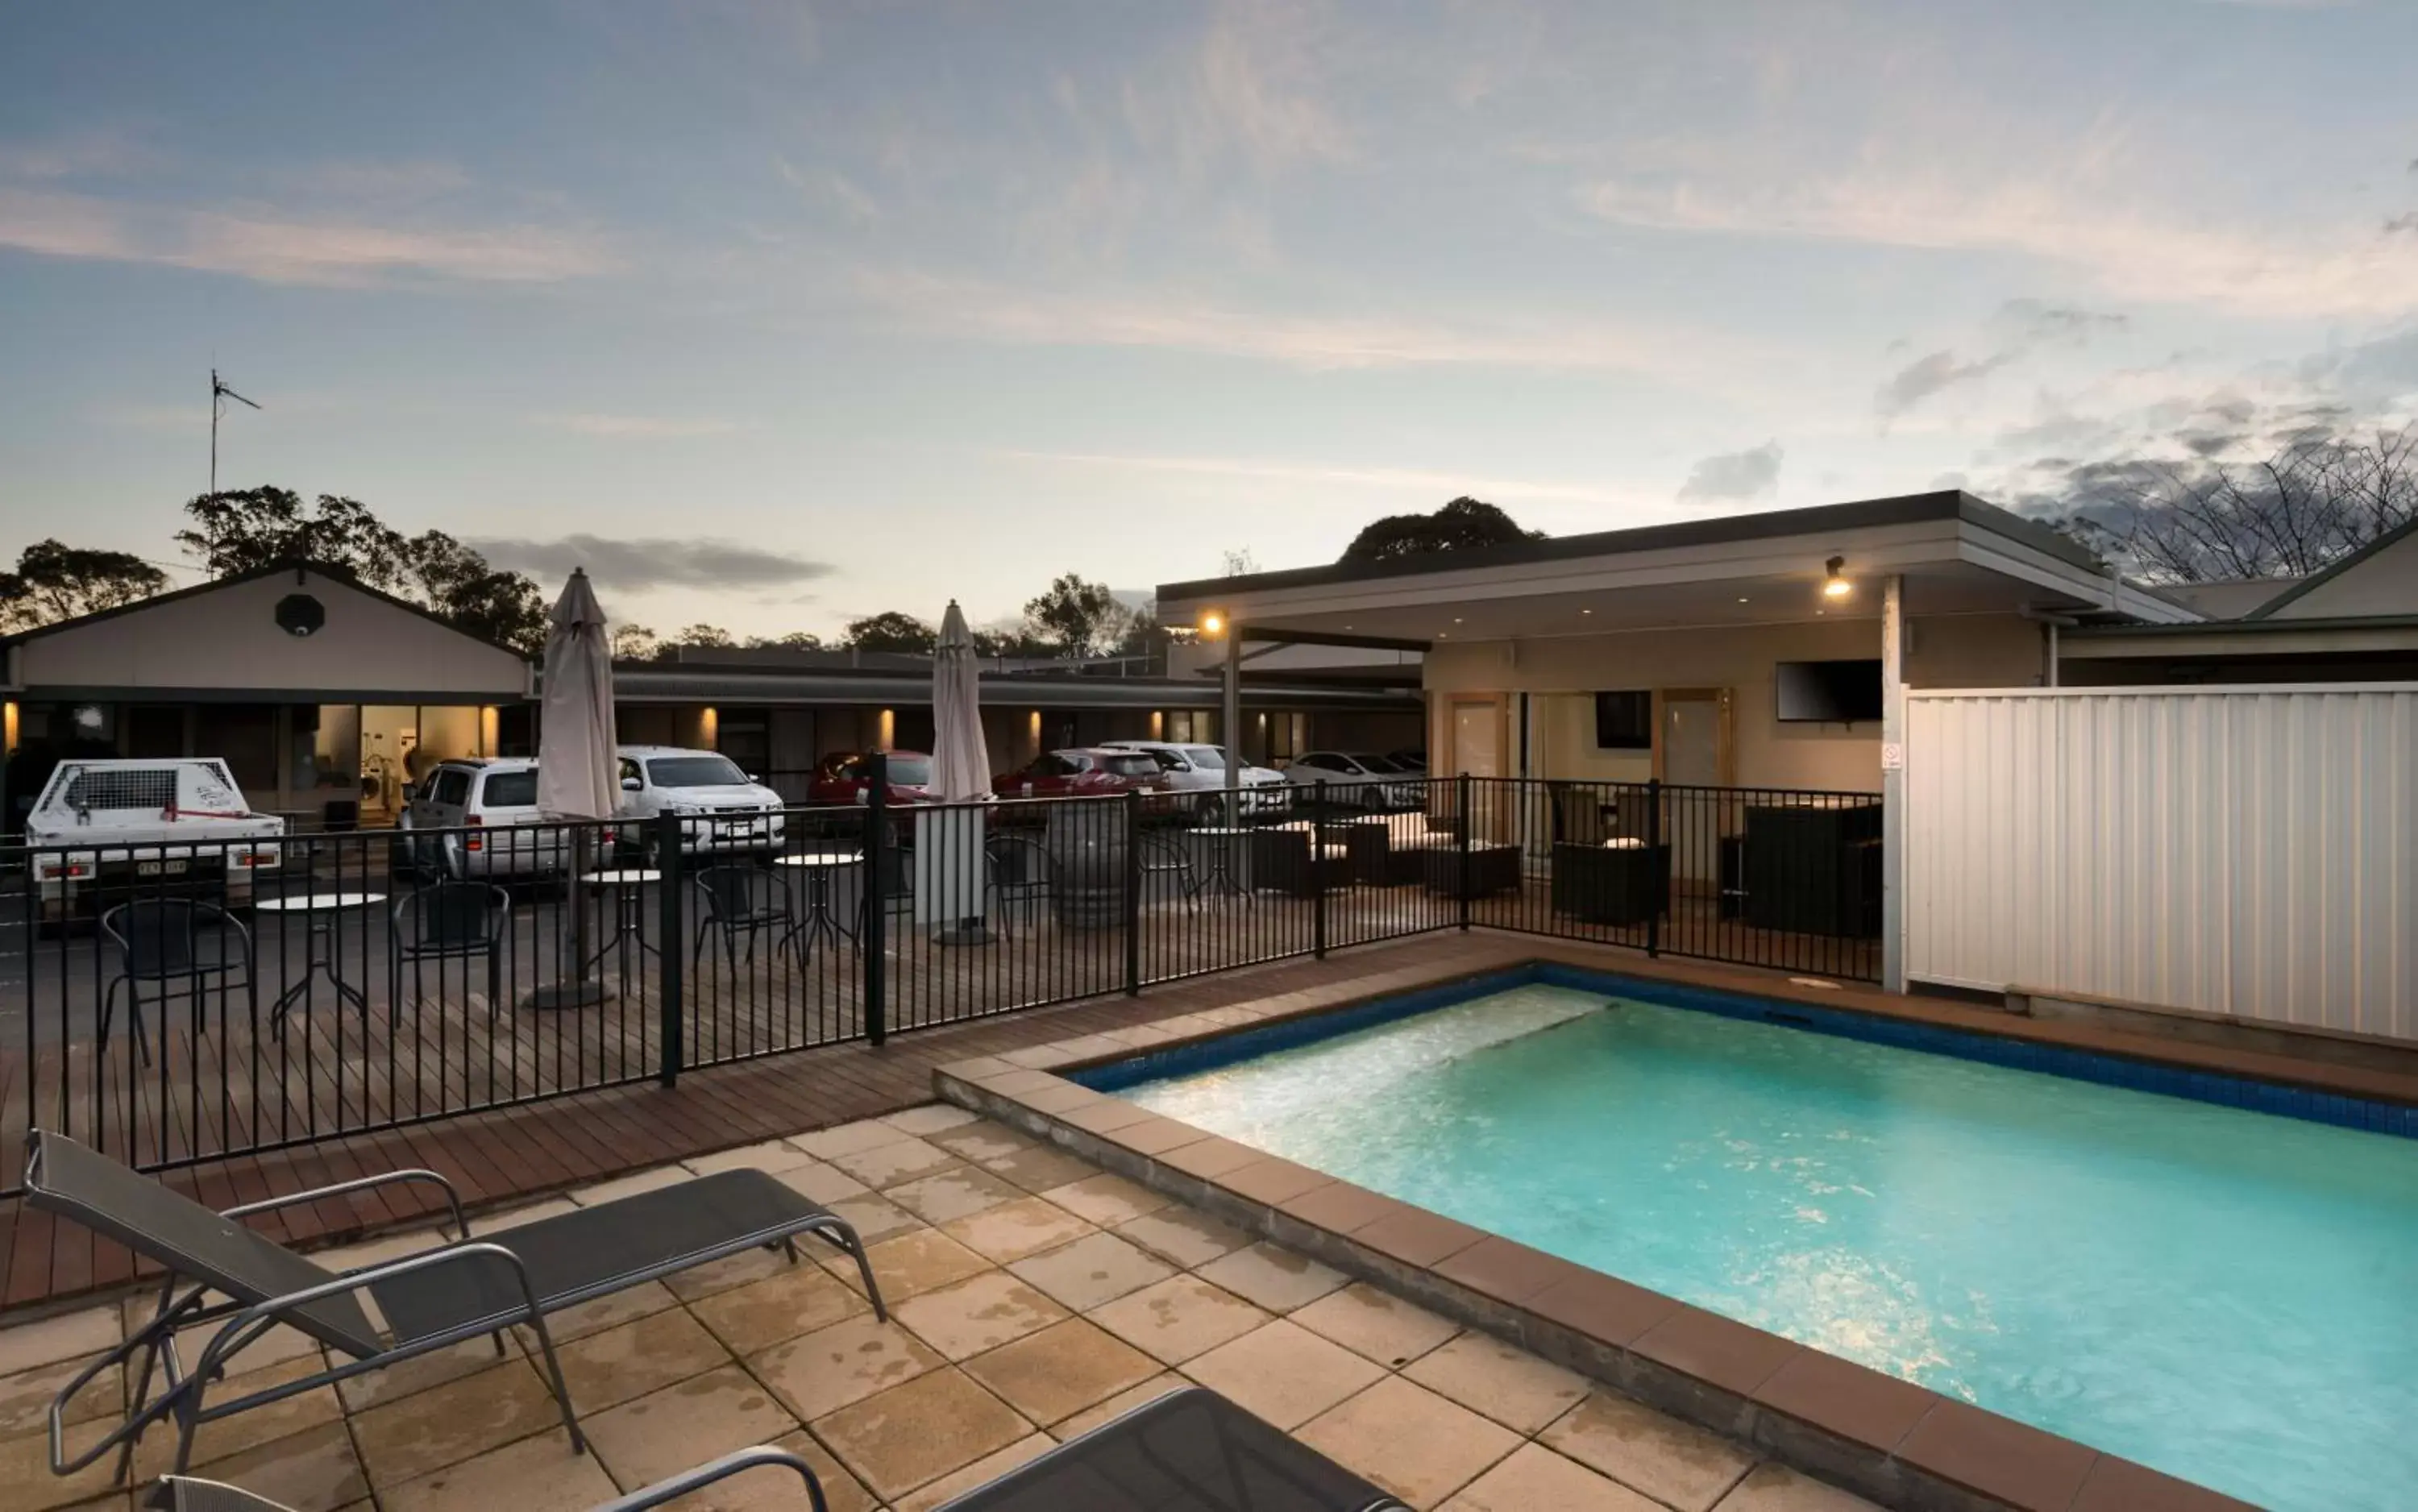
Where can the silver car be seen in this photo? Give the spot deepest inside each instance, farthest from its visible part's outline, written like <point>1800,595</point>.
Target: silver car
<point>1190,767</point>
<point>480,818</point>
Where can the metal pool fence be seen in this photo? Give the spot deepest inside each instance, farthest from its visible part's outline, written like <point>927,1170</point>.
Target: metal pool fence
<point>179,1002</point>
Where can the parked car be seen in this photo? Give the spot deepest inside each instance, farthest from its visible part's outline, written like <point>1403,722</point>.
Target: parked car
<point>1409,763</point>
<point>170,824</point>
<point>1362,778</point>
<point>1086,771</point>
<point>1192,769</point>
<point>723,810</point>
<point>848,778</point>
<point>490,807</point>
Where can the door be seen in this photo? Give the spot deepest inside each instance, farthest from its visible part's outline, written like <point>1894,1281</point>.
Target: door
<point>1692,751</point>
<point>1692,741</point>
<point>1475,729</point>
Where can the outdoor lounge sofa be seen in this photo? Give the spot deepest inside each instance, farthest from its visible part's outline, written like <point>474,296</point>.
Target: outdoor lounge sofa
<point>1189,1451</point>
<point>435,1298</point>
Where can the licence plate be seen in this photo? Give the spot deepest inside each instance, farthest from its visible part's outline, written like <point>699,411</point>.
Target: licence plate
<point>156,868</point>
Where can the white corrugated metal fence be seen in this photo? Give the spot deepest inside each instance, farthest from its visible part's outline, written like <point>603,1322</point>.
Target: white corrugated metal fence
<point>2251,851</point>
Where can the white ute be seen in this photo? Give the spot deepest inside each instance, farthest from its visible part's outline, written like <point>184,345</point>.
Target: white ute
<point>149,823</point>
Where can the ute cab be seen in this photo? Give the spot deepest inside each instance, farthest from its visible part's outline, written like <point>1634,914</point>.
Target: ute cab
<point>173,824</point>
<point>722,810</point>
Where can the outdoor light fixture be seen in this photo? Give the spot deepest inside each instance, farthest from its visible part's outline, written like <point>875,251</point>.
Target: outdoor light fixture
<point>1212,623</point>
<point>1835,584</point>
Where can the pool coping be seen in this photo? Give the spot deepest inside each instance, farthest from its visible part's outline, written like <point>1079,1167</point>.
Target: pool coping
<point>1893,1442</point>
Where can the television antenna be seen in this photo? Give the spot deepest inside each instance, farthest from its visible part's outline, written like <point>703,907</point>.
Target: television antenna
<point>220,395</point>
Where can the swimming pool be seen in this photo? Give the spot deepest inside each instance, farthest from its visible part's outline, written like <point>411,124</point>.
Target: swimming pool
<point>2225,1294</point>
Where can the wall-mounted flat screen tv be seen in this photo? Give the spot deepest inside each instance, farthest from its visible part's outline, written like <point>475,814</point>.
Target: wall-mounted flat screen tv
<point>1829,693</point>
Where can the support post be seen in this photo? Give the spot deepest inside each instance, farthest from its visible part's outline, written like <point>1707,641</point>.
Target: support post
<point>1230,718</point>
<point>1318,871</point>
<point>1893,784</point>
<point>1661,868</point>
<point>672,948</point>
<point>877,907</point>
<point>1461,845</point>
<point>1130,812</point>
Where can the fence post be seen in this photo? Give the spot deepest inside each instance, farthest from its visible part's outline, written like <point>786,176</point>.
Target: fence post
<point>1659,869</point>
<point>870,940</point>
<point>1318,871</point>
<point>1131,816</point>
<point>671,955</point>
<point>1460,845</point>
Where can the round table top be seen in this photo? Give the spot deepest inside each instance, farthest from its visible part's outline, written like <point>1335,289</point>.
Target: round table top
<point>315,902</point>
<point>1221,828</point>
<point>824,858</point>
<point>625,877</point>
<point>1624,841</point>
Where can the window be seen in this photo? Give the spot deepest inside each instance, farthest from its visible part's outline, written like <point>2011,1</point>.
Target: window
<point>1139,764</point>
<point>452,788</point>
<point>510,789</point>
<point>1624,721</point>
<point>1207,758</point>
<point>695,771</point>
<point>910,770</point>
<point>630,771</point>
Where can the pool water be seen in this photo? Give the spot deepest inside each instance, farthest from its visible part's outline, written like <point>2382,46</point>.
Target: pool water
<point>2229,1296</point>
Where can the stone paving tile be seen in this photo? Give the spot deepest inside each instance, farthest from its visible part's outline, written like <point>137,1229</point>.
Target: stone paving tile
<point>537,1473</point>
<point>1039,1169</point>
<point>1273,1276</point>
<point>819,1182</point>
<point>913,1434</point>
<point>624,1307</point>
<point>312,1470</point>
<point>903,1159</point>
<point>1182,1237</point>
<point>1507,1384</point>
<point>1052,1375</point>
<point>644,1180</point>
<point>873,1217</point>
<point>776,1490</point>
<point>1117,1406</point>
<point>1107,1198</point>
<point>367,1390</point>
<point>1671,1462</point>
<point>244,1430</point>
<point>773,1157</point>
<point>982,1139</point>
<point>930,1118</point>
<point>446,1425</point>
<point>1283,1373</point>
<point>1095,1269</point>
<point>918,1260</point>
<point>799,1300</point>
<point>845,1139</point>
<point>981,1473</point>
<point>1014,1229</point>
<point>27,1484</point>
<point>1410,1440</point>
<point>982,1313</point>
<point>1773,1487</point>
<point>954,1193</point>
<point>67,1337</point>
<point>528,1212</point>
<point>831,1368</point>
<point>636,1358</point>
<point>25,1397</point>
<point>1536,1479</point>
<point>740,1269</point>
<point>1376,1323</point>
<point>1178,1317</point>
<point>668,1431</point>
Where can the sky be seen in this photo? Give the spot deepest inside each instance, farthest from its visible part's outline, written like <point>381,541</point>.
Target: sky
<point>776,315</point>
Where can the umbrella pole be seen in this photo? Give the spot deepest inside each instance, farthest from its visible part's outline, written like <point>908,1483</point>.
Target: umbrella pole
<point>575,987</point>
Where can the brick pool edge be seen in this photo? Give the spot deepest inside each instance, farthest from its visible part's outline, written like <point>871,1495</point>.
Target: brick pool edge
<point>1888,1440</point>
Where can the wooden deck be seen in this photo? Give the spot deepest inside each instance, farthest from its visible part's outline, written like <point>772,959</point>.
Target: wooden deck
<point>519,1101</point>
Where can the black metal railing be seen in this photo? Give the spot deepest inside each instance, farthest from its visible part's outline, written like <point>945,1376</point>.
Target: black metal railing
<point>179,1002</point>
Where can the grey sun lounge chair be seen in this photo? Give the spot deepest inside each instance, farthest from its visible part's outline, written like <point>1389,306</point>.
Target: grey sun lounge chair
<point>185,1493</point>
<point>439,1297</point>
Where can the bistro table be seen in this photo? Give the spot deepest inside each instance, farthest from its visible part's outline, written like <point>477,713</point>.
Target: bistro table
<point>1224,856</point>
<point>819,868</point>
<point>630,920</point>
<point>319,910</point>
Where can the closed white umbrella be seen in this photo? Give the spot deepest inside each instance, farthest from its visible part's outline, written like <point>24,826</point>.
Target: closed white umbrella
<point>949,851</point>
<point>579,773</point>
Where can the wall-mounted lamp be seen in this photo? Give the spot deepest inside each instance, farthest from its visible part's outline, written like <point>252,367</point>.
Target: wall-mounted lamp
<point>1212,623</point>
<point>1834,582</point>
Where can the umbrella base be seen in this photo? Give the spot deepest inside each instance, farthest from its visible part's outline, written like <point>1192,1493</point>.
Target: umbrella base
<point>588,994</point>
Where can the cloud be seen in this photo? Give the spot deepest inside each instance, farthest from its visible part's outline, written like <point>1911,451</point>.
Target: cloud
<point>1934,373</point>
<point>1412,481</point>
<point>639,427</point>
<point>271,248</point>
<point>2033,322</point>
<point>2130,249</point>
<point>641,564</point>
<point>2402,222</point>
<point>1733,476</point>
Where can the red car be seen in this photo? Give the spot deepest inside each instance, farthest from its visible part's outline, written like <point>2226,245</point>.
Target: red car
<point>1081,773</point>
<point>848,777</point>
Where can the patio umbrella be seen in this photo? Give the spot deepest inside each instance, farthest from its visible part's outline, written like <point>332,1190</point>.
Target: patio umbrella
<point>960,775</point>
<point>578,774</point>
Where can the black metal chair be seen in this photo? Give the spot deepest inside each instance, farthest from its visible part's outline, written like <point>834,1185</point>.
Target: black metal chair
<point>445,922</point>
<point>738,901</point>
<point>1160,856</point>
<point>1019,871</point>
<point>898,865</point>
<point>165,940</point>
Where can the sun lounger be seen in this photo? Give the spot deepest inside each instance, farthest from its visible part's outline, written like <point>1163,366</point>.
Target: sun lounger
<point>185,1493</point>
<point>1191,1449</point>
<point>248,1283</point>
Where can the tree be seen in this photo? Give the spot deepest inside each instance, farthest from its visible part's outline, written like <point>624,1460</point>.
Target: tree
<point>1078,618</point>
<point>2317,500</point>
<point>1241,563</point>
<point>459,586</point>
<point>796,640</point>
<point>633,643</point>
<point>891,631</point>
<point>705,638</point>
<point>55,581</point>
<point>1459,525</point>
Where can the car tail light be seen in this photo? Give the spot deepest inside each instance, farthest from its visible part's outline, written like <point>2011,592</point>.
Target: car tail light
<point>472,842</point>
<point>69,871</point>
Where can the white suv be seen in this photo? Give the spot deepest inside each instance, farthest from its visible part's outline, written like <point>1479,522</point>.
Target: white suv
<point>471,817</point>
<point>722,808</point>
<point>1191,768</point>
